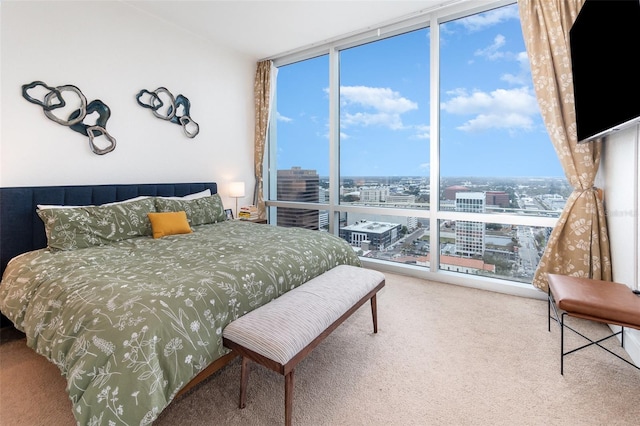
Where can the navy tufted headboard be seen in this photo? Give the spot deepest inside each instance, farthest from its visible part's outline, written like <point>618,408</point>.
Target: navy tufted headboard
<point>22,230</point>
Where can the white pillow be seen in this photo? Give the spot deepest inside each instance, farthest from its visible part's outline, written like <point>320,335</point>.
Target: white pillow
<point>46,206</point>
<point>140,197</point>
<point>53,206</point>
<point>201,194</point>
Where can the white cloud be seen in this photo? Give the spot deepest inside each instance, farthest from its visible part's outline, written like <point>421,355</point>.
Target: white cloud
<point>377,98</point>
<point>499,109</point>
<point>524,75</point>
<point>423,132</point>
<point>281,117</point>
<point>497,121</point>
<point>492,52</point>
<point>481,21</point>
<point>364,119</point>
<point>373,106</point>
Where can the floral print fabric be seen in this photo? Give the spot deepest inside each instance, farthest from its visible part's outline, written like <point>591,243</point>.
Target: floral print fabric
<point>130,323</point>
<point>71,228</point>
<point>199,211</point>
<point>579,243</point>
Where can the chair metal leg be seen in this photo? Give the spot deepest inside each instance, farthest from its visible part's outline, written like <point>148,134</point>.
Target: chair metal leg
<point>561,320</point>
<point>549,296</point>
<point>562,345</point>
<point>374,313</point>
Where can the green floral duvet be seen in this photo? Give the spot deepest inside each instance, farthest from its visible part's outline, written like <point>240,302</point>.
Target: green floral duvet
<point>130,323</point>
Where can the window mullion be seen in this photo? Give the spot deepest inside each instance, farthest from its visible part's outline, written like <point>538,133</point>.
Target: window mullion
<point>434,135</point>
<point>334,140</point>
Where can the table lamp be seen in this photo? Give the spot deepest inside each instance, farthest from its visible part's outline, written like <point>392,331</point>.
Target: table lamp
<point>236,190</point>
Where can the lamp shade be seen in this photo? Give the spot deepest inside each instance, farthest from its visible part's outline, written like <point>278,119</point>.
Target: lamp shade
<point>236,189</point>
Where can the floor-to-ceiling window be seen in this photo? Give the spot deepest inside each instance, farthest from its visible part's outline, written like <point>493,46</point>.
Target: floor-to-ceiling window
<point>302,149</point>
<point>384,146</point>
<point>420,145</point>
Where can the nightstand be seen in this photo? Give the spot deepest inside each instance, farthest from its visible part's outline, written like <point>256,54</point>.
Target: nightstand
<point>255,220</point>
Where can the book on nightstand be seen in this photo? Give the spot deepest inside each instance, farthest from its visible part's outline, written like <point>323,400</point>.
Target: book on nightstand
<point>248,213</point>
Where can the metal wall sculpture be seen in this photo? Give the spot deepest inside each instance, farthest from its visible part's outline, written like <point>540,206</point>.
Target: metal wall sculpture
<point>167,107</point>
<point>67,105</point>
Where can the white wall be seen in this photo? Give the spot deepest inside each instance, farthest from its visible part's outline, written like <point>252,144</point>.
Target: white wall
<point>620,163</point>
<point>111,51</point>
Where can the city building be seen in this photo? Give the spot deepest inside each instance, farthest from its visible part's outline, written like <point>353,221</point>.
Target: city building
<point>297,184</point>
<point>323,220</point>
<point>470,235</point>
<point>375,235</point>
<point>497,198</point>
<point>374,195</point>
<point>411,222</point>
<point>451,191</point>
<point>458,264</point>
<point>323,195</point>
<point>401,199</point>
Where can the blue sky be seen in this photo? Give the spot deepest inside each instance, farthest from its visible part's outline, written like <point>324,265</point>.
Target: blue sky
<point>490,123</point>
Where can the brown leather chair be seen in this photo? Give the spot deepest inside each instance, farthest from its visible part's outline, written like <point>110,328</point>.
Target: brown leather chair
<point>601,301</point>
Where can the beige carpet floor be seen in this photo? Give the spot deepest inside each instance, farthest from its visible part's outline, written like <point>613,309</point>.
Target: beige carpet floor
<point>444,355</point>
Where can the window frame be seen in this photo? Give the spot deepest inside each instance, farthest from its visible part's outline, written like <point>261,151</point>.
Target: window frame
<point>423,19</point>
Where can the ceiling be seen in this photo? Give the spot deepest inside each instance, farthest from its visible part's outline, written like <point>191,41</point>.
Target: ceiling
<point>266,28</point>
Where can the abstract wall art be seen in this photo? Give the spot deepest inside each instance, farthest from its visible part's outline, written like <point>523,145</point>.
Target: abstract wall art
<point>165,106</point>
<point>67,105</point>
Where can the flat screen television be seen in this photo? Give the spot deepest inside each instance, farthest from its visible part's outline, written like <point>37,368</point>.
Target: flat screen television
<point>605,52</point>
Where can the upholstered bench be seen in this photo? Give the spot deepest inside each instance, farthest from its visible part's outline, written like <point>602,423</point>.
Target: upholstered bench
<point>281,333</point>
<point>600,301</point>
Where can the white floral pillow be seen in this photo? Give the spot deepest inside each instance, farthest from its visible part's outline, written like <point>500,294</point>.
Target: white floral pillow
<point>199,211</point>
<point>80,227</point>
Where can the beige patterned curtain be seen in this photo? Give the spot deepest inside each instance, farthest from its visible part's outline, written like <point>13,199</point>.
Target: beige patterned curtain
<point>262,93</point>
<point>579,243</point>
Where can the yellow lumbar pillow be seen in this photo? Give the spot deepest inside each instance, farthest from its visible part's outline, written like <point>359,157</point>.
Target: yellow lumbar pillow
<point>169,223</point>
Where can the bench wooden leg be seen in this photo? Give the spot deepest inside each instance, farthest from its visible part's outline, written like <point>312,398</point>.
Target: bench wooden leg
<point>374,313</point>
<point>288,398</point>
<point>244,380</point>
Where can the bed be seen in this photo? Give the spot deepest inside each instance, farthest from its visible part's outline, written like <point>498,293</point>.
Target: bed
<point>132,312</point>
